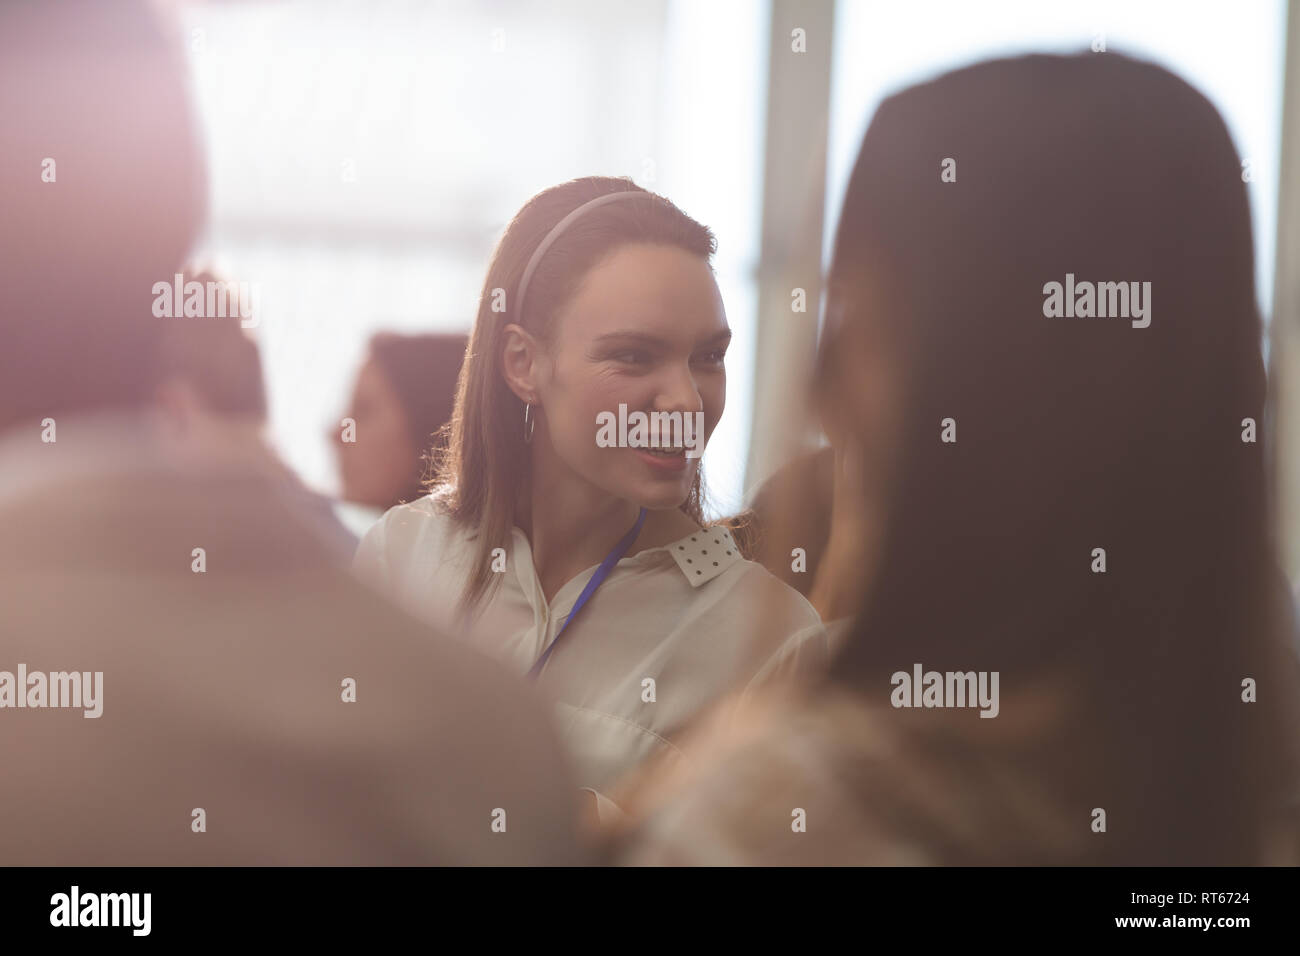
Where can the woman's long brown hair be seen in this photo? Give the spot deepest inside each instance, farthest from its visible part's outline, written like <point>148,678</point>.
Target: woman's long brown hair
<point>1075,434</point>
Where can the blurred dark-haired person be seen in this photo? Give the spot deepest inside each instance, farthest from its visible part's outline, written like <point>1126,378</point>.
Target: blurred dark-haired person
<point>828,504</point>
<point>1070,649</point>
<point>211,398</point>
<point>185,677</point>
<point>403,397</point>
<point>792,509</point>
<point>563,535</point>
<point>211,364</point>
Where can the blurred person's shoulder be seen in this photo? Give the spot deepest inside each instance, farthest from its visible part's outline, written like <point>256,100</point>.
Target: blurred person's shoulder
<point>250,675</point>
<point>762,786</point>
<point>453,741</point>
<point>821,776</point>
<point>312,723</point>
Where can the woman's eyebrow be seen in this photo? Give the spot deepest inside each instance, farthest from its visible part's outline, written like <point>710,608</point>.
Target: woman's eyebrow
<point>653,340</point>
<point>633,337</point>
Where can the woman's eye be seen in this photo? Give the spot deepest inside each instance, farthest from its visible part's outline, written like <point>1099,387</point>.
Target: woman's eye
<point>714,357</point>
<point>631,357</point>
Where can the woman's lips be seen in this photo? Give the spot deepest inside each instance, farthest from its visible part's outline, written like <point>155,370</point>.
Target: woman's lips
<point>668,463</point>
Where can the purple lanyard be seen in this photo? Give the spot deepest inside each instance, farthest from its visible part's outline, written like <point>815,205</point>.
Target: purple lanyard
<point>602,572</point>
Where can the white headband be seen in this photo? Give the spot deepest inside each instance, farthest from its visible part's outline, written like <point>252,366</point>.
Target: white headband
<point>555,233</point>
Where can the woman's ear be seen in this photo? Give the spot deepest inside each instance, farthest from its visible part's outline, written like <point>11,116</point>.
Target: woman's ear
<point>520,358</point>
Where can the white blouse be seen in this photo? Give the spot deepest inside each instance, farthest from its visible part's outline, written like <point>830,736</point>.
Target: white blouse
<point>670,631</point>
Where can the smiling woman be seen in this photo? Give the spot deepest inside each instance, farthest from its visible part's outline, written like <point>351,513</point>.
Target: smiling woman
<point>600,299</point>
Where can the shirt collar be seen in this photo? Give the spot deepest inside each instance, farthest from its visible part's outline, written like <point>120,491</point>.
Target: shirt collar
<point>704,555</point>
<point>701,556</point>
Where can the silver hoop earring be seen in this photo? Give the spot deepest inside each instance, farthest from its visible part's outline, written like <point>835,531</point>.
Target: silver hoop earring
<point>529,423</point>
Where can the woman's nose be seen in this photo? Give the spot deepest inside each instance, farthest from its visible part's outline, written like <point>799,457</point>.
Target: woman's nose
<point>679,392</point>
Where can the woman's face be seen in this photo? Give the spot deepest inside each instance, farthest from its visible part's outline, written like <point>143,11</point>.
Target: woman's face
<point>645,329</point>
<point>380,465</point>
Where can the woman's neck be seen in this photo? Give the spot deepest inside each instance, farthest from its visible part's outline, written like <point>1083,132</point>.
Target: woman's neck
<point>573,525</point>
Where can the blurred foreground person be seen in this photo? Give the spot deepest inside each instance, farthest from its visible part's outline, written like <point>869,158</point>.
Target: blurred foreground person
<point>185,678</point>
<point>1069,650</point>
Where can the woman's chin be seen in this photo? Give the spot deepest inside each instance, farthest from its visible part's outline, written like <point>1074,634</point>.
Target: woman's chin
<point>659,495</point>
<point>664,504</point>
<point>652,485</point>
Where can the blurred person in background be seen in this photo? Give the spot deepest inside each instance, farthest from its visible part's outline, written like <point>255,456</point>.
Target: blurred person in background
<point>830,502</point>
<point>234,658</point>
<point>1146,706</point>
<point>792,509</point>
<point>210,372</point>
<point>401,402</point>
<point>211,397</point>
<point>817,521</point>
<point>599,297</point>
